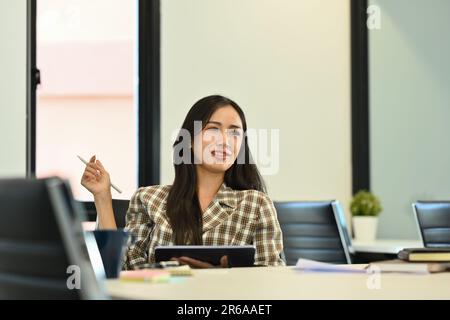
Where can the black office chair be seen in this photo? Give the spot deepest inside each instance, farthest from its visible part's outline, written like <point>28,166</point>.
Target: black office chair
<point>120,208</point>
<point>315,231</point>
<point>40,238</point>
<point>433,219</point>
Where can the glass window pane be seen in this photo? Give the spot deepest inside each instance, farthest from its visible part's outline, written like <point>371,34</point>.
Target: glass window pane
<point>87,102</point>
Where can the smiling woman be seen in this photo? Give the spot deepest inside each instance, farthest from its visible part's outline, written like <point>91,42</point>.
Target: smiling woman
<point>217,197</point>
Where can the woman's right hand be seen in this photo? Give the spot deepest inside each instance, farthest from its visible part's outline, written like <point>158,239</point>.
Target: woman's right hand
<point>96,179</point>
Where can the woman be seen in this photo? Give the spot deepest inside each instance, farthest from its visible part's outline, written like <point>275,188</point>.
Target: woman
<point>217,197</point>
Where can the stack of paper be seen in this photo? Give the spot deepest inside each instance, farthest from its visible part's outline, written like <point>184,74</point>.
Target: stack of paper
<point>316,266</point>
<point>397,266</point>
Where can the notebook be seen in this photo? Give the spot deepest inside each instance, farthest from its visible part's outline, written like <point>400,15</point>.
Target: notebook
<point>181,271</point>
<point>401,266</point>
<point>147,275</point>
<point>425,254</point>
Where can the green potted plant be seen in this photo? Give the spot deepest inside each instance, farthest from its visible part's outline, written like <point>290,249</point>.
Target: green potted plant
<point>365,208</point>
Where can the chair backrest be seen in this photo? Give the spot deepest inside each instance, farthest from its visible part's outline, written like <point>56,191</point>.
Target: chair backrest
<point>40,242</point>
<point>120,208</point>
<point>433,219</point>
<point>315,231</point>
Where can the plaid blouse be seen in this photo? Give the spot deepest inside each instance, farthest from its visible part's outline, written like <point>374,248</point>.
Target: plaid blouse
<point>232,218</point>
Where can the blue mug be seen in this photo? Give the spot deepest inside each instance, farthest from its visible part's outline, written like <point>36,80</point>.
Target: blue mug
<point>112,245</point>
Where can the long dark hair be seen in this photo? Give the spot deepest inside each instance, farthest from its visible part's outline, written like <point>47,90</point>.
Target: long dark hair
<point>183,207</point>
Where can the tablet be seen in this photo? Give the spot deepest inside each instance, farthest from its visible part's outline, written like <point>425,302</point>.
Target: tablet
<point>238,256</point>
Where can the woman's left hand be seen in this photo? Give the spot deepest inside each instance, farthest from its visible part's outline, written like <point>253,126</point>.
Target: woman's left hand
<point>200,264</point>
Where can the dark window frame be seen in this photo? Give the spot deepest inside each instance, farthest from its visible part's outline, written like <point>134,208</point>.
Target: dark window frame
<point>360,96</point>
<point>32,83</point>
<point>149,91</point>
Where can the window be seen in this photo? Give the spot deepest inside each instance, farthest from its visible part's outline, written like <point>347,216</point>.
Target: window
<point>87,101</point>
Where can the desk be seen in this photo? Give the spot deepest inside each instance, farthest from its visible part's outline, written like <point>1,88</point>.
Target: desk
<point>380,249</point>
<point>284,283</point>
<point>385,246</point>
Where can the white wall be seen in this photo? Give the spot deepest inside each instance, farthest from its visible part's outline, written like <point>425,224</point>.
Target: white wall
<point>13,38</point>
<point>409,109</point>
<point>287,63</point>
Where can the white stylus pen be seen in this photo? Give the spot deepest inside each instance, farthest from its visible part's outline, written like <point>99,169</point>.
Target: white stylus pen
<point>112,185</point>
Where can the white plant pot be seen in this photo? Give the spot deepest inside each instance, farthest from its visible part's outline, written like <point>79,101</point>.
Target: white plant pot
<point>365,228</point>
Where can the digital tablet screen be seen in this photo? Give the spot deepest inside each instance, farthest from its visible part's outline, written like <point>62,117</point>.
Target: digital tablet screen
<point>238,256</point>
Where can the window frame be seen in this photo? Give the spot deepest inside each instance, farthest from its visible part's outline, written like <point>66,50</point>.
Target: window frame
<point>149,105</point>
<point>149,97</point>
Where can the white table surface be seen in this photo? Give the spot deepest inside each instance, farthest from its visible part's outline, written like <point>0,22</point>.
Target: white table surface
<point>390,246</point>
<point>287,284</point>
